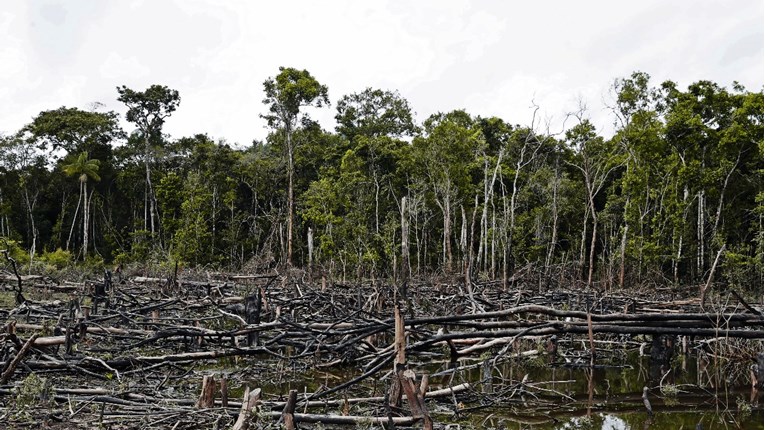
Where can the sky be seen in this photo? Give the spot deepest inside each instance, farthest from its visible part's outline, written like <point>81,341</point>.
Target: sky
<point>491,58</point>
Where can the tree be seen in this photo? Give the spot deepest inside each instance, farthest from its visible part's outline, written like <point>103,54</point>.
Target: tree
<point>20,155</point>
<point>374,113</point>
<point>148,110</point>
<point>76,130</point>
<point>84,168</point>
<point>444,155</point>
<point>718,136</point>
<point>639,136</point>
<point>527,145</point>
<point>286,94</point>
<point>497,134</point>
<point>596,162</point>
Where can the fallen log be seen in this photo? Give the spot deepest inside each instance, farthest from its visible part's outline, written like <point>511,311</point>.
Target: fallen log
<point>559,327</point>
<point>11,367</point>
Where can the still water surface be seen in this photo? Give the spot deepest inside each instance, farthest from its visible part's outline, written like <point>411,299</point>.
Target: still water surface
<point>563,394</point>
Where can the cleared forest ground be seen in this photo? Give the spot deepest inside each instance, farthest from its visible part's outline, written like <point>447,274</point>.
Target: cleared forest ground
<point>185,351</point>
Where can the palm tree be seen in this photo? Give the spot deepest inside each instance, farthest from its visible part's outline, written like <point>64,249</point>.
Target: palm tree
<point>85,169</point>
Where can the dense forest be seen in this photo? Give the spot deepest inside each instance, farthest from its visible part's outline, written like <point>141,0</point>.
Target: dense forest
<point>676,194</point>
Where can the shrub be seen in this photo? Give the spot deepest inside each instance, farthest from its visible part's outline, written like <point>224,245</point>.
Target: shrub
<point>15,250</point>
<point>58,258</point>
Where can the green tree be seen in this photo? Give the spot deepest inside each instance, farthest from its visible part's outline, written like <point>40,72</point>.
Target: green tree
<point>286,94</point>
<point>374,113</point>
<point>20,156</point>
<point>596,160</point>
<point>84,168</point>
<point>148,110</point>
<point>444,156</point>
<point>76,130</point>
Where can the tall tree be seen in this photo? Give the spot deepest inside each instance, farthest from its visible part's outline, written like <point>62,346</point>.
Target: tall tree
<point>374,113</point>
<point>597,159</point>
<point>444,155</point>
<point>286,94</point>
<point>76,130</point>
<point>20,154</point>
<point>84,168</point>
<point>374,121</point>
<point>148,110</point>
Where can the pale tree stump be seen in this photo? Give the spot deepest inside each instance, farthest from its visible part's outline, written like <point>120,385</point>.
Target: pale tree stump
<point>207,396</point>
<point>250,402</point>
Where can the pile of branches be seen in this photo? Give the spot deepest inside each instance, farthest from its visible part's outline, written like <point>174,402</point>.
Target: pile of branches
<point>147,352</point>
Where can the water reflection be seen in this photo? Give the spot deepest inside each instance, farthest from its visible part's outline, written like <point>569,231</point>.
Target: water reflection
<point>685,390</point>
<point>556,388</point>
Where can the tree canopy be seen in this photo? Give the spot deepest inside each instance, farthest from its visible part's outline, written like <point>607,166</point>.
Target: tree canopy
<point>678,182</point>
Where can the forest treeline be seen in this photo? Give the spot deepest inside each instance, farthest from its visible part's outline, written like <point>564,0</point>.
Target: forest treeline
<point>676,191</point>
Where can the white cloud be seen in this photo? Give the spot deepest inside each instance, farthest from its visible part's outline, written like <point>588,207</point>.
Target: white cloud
<point>489,57</point>
<point>116,67</point>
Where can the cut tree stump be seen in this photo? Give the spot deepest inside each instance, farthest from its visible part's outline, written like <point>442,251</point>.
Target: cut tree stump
<point>288,415</point>
<point>207,396</point>
<point>250,402</point>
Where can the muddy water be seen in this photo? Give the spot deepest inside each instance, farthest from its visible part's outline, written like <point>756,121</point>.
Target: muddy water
<point>568,394</point>
<point>565,393</point>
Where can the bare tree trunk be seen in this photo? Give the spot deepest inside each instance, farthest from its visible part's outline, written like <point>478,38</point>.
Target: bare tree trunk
<point>676,260</point>
<point>85,219</point>
<point>149,188</point>
<point>554,233</point>
<point>377,203</point>
<point>290,191</point>
<point>592,246</point>
<point>448,234</point>
<point>74,220</point>
<point>310,248</point>
<point>584,238</point>
<point>471,259</point>
<point>488,193</point>
<point>463,238</point>
<point>146,204</point>
<point>623,253</point>
<point>505,212</point>
<point>31,202</point>
<point>705,288</point>
<point>493,267</point>
<point>511,230</point>
<point>405,240</point>
<point>700,234</point>
<point>482,235</point>
<point>60,222</point>
<point>623,245</point>
<point>718,214</point>
<point>4,220</point>
<point>214,216</point>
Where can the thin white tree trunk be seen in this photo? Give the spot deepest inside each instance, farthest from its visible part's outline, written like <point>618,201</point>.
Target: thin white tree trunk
<point>31,203</point>
<point>447,234</point>
<point>700,234</point>
<point>623,245</point>
<point>463,237</point>
<point>74,220</point>
<point>718,214</point>
<point>85,219</point>
<point>583,242</point>
<point>405,269</point>
<point>290,196</point>
<point>554,233</point>
<point>149,188</point>
<point>310,248</point>
<point>592,246</point>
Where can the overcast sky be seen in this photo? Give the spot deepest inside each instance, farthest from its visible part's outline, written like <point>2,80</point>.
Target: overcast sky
<point>488,57</point>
